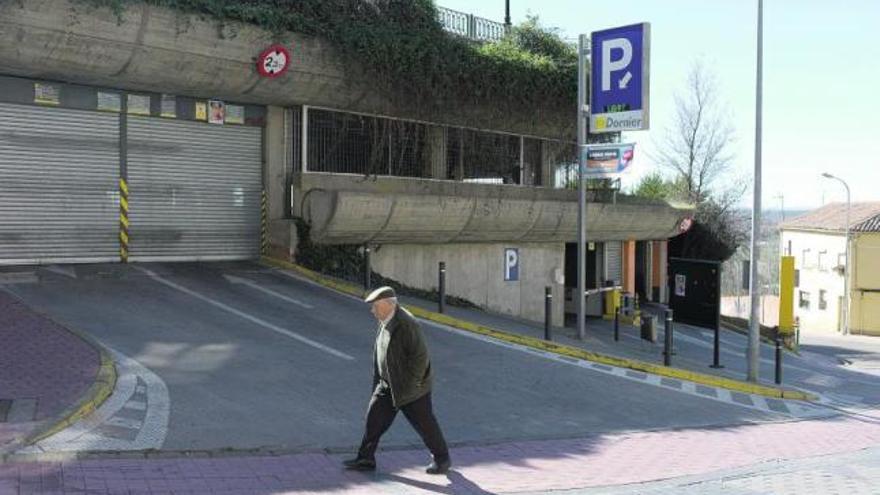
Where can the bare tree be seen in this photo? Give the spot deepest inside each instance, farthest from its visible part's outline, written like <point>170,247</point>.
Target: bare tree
<point>696,147</point>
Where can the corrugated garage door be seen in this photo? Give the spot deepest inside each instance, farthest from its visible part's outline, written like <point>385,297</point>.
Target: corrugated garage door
<point>59,173</point>
<point>614,261</point>
<point>194,190</point>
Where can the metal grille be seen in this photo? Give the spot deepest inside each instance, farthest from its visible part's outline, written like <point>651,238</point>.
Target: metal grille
<point>357,144</point>
<point>491,158</point>
<point>562,160</point>
<point>614,261</point>
<point>195,190</point>
<point>59,173</point>
<point>533,172</point>
<point>454,155</point>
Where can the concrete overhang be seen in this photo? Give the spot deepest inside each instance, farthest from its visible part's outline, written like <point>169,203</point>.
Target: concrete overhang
<point>391,210</point>
<point>159,50</point>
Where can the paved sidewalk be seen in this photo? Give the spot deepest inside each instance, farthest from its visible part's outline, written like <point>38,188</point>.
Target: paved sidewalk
<point>538,466</point>
<point>44,369</point>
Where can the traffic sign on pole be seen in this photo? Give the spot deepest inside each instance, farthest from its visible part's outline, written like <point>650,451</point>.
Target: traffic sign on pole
<point>619,79</point>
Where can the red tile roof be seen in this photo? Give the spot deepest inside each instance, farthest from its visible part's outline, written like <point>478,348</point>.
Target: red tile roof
<point>864,217</point>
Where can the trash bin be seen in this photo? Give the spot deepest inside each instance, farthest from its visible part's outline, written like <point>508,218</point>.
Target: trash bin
<point>649,328</point>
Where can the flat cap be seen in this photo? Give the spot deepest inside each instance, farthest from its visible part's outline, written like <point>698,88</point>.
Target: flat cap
<point>380,293</point>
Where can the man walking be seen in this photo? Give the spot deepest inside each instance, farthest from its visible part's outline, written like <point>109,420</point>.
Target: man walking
<point>401,381</point>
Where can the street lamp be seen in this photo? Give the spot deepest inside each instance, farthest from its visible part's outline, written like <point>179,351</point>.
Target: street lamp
<point>846,275</point>
<point>754,347</point>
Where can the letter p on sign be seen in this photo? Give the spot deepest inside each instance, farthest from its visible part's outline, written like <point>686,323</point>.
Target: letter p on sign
<point>608,65</point>
<point>511,265</point>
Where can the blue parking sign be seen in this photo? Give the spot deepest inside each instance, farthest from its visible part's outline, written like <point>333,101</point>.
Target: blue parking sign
<point>511,265</point>
<point>619,78</point>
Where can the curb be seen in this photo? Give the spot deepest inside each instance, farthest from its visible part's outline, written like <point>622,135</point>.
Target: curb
<point>562,350</point>
<point>105,382</point>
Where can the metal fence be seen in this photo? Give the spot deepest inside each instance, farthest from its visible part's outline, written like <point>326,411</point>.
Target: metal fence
<point>357,144</point>
<point>470,26</point>
<point>346,143</point>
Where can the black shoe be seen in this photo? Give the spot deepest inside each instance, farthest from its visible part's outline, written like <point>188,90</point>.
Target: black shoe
<point>441,467</point>
<point>359,464</point>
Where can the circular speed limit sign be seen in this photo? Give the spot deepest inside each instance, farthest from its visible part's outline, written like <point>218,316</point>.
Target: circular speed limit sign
<point>274,61</point>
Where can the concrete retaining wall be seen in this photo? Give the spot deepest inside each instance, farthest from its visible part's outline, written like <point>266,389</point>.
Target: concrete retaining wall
<point>159,50</point>
<point>476,272</point>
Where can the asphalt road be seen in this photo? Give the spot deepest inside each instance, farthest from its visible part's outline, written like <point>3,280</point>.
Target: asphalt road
<point>253,358</point>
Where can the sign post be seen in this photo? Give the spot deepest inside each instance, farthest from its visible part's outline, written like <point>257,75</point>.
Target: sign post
<point>583,113</point>
<point>618,101</point>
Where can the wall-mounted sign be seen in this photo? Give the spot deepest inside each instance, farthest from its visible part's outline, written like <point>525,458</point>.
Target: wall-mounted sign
<point>680,285</point>
<point>273,61</point>
<point>201,111</point>
<point>607,160</point>
<point>511,264</point>
<point>686,224</point>
<point>234,114</point>
<point>169,106</point>
<point>139,104</point>
<point>109,102</point>
<point>46,94</point>
<point>216,112</point>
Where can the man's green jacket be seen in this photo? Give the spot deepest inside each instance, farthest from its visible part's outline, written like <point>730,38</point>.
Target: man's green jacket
<point>409,368</point>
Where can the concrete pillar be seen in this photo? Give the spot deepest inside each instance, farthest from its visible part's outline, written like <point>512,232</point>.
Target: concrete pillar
<point>649,270</point>
<point>275,173</point>
<point>436,148</point>
<point>663,272</point>
<point>656,262</point>
<point>276,176</point>
<point>629,267</point>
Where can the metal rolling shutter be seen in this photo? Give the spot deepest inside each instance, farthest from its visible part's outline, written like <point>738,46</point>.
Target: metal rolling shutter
<point>614,261</point>
<point>59,196</point>
<point>194,190</point>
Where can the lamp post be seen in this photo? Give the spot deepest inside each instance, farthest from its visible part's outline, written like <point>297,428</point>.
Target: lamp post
<point>846,275</point>
<point>754,347</point>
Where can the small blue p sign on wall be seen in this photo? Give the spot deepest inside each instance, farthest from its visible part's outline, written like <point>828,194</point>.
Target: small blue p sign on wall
<point>511,264</point>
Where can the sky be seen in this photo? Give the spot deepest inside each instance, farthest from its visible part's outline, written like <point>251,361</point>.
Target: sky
<point>821,82</point>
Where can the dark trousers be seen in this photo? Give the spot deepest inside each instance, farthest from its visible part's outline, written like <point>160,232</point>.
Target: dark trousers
<point>420,415</point>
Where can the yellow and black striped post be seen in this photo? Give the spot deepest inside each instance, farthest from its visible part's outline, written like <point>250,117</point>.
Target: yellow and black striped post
<point>123,220</point>
<point>264,225</point>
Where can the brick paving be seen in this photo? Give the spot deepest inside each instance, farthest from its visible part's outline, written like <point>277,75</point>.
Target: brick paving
<point>535,466</point>
<point>40,360</point>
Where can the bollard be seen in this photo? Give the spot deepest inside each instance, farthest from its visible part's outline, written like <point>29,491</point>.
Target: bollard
<point>716,359</point>
<point>778,359</point>
<point>617,324</point>
<point>667,348</point>
<point>368,269</point>
<point>548,309</point>
<point>442,286</point>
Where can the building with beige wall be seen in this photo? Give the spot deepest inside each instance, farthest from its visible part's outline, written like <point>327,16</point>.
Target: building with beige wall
<point>817,241</point>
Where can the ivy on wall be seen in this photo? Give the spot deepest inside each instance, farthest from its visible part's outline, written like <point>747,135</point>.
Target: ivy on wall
<point>405,49</point>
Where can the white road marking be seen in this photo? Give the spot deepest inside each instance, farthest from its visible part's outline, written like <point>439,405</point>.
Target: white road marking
<point>136,405</point>
<point>67,271</point>
<point>251,318</point>
<point>238,280</point>
<point>131,424</point>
